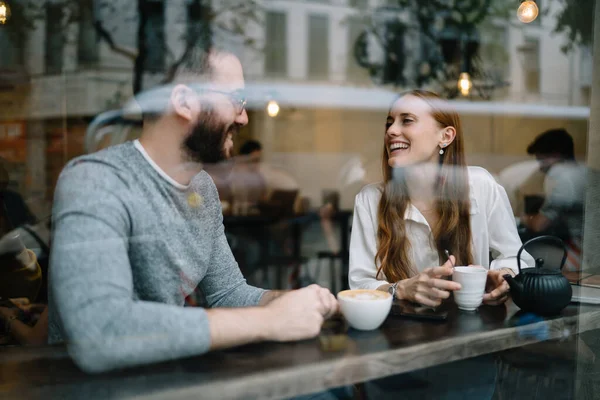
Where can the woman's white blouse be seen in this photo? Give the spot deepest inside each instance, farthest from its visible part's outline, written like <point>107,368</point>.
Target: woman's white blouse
<point>493,230</point>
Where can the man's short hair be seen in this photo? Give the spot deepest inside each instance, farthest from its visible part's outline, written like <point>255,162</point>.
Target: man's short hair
<point>553,141</point>
<point>196,72</point>
<point>250,147</point>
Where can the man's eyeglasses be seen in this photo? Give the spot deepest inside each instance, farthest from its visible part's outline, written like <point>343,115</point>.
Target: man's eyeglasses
<point>237,98</point>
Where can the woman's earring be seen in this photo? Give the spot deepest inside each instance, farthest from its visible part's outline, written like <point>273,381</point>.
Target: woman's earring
<point>442,148</point>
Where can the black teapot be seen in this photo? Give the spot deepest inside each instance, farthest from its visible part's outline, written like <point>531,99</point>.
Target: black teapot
<point>541,290</point>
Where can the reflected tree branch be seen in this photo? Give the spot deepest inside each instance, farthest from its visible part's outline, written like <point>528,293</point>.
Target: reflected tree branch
<point>107,37</point>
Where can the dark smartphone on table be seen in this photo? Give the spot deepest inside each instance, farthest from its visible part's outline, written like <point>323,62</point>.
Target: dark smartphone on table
<point>411,310</point>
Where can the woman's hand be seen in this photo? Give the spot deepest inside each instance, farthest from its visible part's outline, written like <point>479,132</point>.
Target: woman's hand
<point>428,288</point>
<point>496,288</point>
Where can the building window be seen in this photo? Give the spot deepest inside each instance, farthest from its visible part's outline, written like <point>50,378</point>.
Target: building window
<point>354,72</point>
<point>532,65</point>
<point>87,49</point>
<point>155,36</point>
<point>394,64</point>
<point>198,29</point>
<point>12,49</point>
<point>54,39</point>
<point>538,20</point>
<point>318,46</point>
<point>587,66</point>
<point>493,52</point>
<point>358,3</point>
<point>276,44</point>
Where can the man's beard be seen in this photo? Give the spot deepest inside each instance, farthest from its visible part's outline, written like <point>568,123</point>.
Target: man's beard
<point>206,140</point>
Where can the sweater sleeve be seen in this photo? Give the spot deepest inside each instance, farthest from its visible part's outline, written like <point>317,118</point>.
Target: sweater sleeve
<point>224,285</point>
<point>91,283</point>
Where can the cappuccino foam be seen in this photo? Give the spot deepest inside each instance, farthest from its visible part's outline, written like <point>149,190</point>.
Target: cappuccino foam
<point>363,294</point>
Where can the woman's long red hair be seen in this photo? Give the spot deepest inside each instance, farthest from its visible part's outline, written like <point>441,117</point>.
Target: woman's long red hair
<point>453,229</point>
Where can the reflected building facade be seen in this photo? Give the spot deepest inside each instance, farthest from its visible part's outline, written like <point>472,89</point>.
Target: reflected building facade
<point>319,59</point>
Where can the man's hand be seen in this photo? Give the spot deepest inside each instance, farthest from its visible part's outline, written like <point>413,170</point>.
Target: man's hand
<point>294,315</point>
<point>496,288</point>
<point>299,314</point>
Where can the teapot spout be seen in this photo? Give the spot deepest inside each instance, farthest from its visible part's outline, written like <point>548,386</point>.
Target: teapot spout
<point>515,285</point>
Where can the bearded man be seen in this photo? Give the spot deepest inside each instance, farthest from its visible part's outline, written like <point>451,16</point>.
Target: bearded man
<point>137,227</point>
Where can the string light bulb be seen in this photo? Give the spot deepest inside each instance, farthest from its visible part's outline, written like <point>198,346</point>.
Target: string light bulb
<point>464,83</point>
<point>272,109</point>
<point>4,12</point>
<point>527,12</point>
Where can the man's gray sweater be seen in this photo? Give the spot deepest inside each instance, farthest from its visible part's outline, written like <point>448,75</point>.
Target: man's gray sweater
<point>129,244</point>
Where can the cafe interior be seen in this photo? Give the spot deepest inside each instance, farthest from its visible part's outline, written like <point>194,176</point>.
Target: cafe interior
<point>292,199</point>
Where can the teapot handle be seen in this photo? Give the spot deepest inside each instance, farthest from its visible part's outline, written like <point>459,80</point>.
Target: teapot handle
<point>546,238</point>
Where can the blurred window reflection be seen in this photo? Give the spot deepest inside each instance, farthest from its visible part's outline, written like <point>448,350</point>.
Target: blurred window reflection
<point>11,43</point>
<point>318,47</point>
<point>276,44</point>
<point>493,53</point>
<point>155,36</point>
<point>72,72</point>
<point>54,38</point>
<point>88,46</point>
<point>354,72</point>
<point>532,65</point>
<point>358,3</point>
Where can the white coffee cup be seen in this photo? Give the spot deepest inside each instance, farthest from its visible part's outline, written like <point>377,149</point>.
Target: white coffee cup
<point>364,309</point>
<point>472,280</point>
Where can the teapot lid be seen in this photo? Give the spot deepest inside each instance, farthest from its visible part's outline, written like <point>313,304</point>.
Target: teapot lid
<point>541,271</point>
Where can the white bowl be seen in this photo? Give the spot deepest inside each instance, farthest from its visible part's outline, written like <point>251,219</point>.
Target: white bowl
<point>365,310</point>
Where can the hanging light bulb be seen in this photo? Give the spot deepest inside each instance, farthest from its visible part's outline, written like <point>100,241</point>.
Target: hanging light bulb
<point>464,83</point>
<point>272,108</point>
<point>527,12</point>
<point>4,12</point>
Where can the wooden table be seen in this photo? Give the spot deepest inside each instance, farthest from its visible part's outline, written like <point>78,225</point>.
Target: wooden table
<point>272,370</point>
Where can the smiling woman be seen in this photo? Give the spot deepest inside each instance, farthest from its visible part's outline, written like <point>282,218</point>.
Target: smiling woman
<point>416,132</point>
<point>430,205</point>
<point>430,202</point>
<point>420,130</point>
